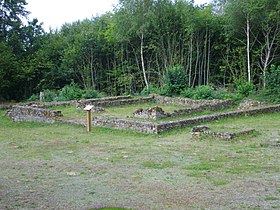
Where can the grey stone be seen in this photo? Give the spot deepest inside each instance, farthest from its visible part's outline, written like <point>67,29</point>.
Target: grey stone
<point>27,113</point>
<point>150,113</point>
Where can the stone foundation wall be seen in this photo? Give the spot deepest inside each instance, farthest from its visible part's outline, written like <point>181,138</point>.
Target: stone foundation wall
<point>27,113</point>
<point>50,104</point>
<point>207,118</point>
<point>39,104</point>
<point>154,128</point>
<point>198,130</point>
<point>150,113</point>
<point>143,127</point>
<point>217,104</point>
<point>115,101</point>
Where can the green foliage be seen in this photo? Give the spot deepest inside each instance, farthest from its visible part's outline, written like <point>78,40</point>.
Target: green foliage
<point>70,92</point>
<point>50,95</point>
<point>179,44</point>
<point>272,91</point>
<point>151,90</point>
<point>176,80</point>
<point>91,94</point>
<point>201,92</point>
<point>245,88</point>
<point>33,97</point>
<point>206,92</point>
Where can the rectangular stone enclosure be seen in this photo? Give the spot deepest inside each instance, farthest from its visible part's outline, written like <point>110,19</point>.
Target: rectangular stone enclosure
<point>27,113</point>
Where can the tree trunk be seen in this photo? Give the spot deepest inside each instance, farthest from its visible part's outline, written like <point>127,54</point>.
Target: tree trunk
<point>205,57</point>
<point>248,50</point>
<point>196,63</point>
<point>208,61</point>
<point>190,70</point>
<point>142,61</point>
<point>92,70</point>
<point>268,50</point>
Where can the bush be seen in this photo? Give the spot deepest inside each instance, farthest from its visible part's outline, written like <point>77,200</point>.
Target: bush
<point>50,95</point>
<point>187,93</point>
<point>151,90</point>
<point>245,88</point>
<point>176,80</point>
<point>204,92</point>
<point>70,92</point>
<point>67,93</point>
<point>199,93</point>
<point>90,94</point>
<point>272,91</point>
<point>34,97</point>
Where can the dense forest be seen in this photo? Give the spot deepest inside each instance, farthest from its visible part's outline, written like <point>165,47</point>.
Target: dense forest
<point>162,46</point>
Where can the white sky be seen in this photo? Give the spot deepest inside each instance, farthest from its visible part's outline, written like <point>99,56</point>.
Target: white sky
<point>54,13</point>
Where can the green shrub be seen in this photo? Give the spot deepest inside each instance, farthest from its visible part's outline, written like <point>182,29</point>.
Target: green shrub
<point>90,94</point>
<point>187,93</point>
<point>204,92</point>
<point>245,88</point>
<point>70,92</point>
<point>151,90</point>
<point>50,95</point>
<point>272,90</point>
<point>207,93</point>
<point>34,97</point>
<point>176,80</point>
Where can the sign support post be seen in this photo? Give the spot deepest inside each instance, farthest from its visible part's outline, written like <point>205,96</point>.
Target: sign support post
<point>88,110</point>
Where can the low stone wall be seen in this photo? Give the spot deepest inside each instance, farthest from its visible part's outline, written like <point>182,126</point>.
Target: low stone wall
<point>207,118</point>
<point>50,104</point>
<point>199,130</point>
<point>39,104</point>
<point>27,113</point>
<point>217,104</point>
<point>114,101</point>
<point>81,104</point>
<point>143,127</point>
<point>6,106</point>
<point>150,113</point>
<point>228,135</point>
<point>155,128</point>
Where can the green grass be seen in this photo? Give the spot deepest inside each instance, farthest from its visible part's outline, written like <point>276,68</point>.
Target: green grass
<point>123,111</point>
<point>155,165</point>
<point>271,198</point>
<point>134,170</point>
<point>126,112</point>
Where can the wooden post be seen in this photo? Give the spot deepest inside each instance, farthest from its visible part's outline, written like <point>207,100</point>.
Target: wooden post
<point>89,121</point>
<point>88,110</point>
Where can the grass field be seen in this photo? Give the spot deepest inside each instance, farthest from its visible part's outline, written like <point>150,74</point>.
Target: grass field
<point>126,112</point>
<point>59,166</point>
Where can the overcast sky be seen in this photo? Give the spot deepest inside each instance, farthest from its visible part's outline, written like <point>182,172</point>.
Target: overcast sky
<point>54,13</point>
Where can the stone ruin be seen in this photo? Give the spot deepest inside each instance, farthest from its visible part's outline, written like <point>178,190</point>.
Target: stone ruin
<point>97,109</point>
<point>150,113</point>
<point>272,143</point>
<point>112,101</point>
<point>249,104</point>
<point>28,113</point>
<point>205,130</point>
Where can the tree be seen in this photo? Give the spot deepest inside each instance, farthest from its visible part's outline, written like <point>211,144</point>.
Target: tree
<point>133,19</point>
<point>242,16</point>
<point>19,42</point>
<point>269,34</point>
